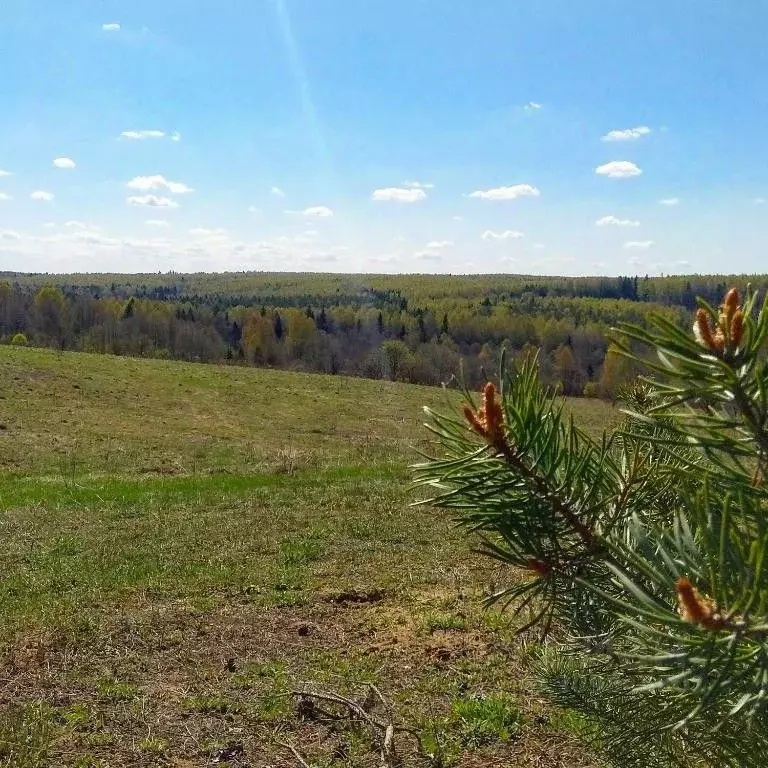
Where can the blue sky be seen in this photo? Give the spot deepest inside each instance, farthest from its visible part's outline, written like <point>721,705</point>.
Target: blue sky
<point>384,136</point>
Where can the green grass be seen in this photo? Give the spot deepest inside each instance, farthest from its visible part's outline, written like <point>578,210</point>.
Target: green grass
<point>183,545</point>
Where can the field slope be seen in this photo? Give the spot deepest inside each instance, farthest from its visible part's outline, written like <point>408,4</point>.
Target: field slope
<point>184,545</point>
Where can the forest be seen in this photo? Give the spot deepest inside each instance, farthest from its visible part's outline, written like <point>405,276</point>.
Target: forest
<point>425,329</point>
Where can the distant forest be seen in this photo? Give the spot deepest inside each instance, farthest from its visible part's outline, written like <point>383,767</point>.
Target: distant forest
<point>417,328</point>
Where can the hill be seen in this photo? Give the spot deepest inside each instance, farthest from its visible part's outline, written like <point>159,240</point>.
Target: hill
<point>418,329</point>
<point>185,544</point>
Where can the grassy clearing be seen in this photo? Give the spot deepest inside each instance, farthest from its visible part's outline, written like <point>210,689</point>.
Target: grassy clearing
<point>185,545</point>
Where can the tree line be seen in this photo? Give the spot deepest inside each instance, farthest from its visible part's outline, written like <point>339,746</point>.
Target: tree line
<point>422,329</point>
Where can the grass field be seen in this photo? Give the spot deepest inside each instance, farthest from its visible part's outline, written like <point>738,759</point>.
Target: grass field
<point>184,546</point>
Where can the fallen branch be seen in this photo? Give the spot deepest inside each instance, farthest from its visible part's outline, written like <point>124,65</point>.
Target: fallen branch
<point>294,751</point>
<point>383,731</point>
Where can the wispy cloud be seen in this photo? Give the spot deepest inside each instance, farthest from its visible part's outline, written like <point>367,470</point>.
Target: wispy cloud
<point>506,193</point>
<point>9,234</point>
<point>142,134</point>
<point>277,192</point>
<point>66,163</point>
<point>439,245</point>
<point>5,196</point>
<point>670,201</point>
<point>75,225</point>
<point>146,183</point>
<point>5,173</point>
<point>760,200</point>
<point>399,195</point>
<point>613,221</point>
<point>42,195</point>
<point>639,245</point>
<point>627,134</point>
<point>112,27</point>
<point>418,185</point>
<point>618,169</point>
<point>318,212</point>
<point>507,234</point>
<point>151,201</point>
<point>532,106</point>
<point>157,223</point>
<point>205,232</point>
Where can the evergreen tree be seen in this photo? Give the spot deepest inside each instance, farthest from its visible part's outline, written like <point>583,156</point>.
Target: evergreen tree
<point>129,308</point>
<point>642,556</point>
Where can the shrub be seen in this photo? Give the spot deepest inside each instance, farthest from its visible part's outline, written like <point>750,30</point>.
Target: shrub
<point>590,389</point>
<point>19,340</point>
<point>643,556</point>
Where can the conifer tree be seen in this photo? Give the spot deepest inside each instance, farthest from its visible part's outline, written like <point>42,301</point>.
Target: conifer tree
<point>641,558</point>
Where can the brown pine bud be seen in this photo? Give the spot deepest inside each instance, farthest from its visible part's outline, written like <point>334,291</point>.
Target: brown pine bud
<point>702,329</point>
<point>696,609</point>
<point>488,421</point>
<point>539,567</point>
<point>690,603</point>
<point>737,328</point>
<point>731,302</point>
<point>474,422</point>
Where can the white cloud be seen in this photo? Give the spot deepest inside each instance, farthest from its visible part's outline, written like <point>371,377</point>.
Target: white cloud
<point>618,169</point>
<point>670,201</point>
<point>457,218</point>
<point>385,258</point>
<point>628,134</point>
<point>318,212</point>
<point>157,223</point>
<point>427,256</point>
<point>532,106</point>
<point>42,195</point>
<point>5,196</point>
<point>9,234</point>
<point>639,245</point>
<point>539,246</point>
<point>506,193</point>
<point>5,173</point>
<point>75,225</point>
<point>399,195</point>
<point>113,27</point>
<point>176,136</point>
<point>254,209</point>
<point>507,234</point>
<point>277,192</point>
<point>612,221</point>
<point>204,232</point>
<point>418,185</point>
<point>438,245</point>
<point>508,259</point>
<point>683,263</point>
<point>146,183</point>
<point>95,238</point>
<point>142,134</point>
<point>760,201</point>
<point>64,163</point>
<point>152,201</point>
